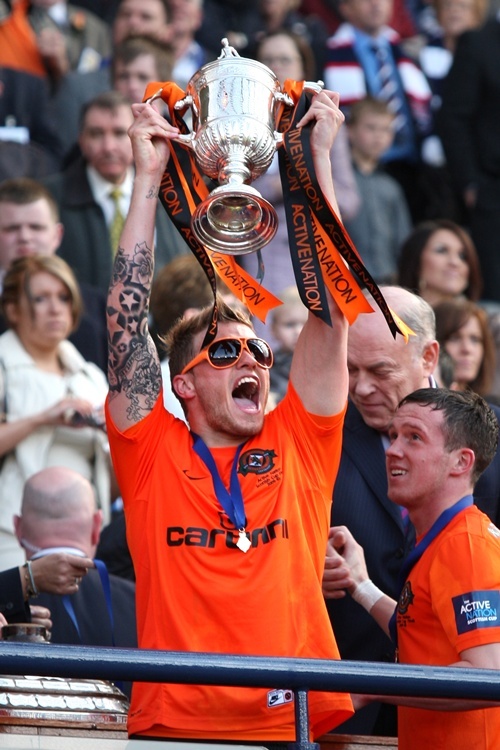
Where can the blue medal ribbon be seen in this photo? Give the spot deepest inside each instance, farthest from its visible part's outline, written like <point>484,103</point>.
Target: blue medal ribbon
<point>419,549</point>
<point>232,501</point>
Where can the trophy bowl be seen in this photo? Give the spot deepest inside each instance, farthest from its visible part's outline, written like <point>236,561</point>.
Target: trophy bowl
<point>234,104</point>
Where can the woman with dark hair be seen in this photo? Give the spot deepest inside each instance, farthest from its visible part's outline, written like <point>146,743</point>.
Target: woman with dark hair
<point>439,262</point>
<point>462,329</point>
<point>51,397</point>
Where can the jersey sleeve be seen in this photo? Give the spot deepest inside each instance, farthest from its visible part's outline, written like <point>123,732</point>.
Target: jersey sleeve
<point>465,585</point>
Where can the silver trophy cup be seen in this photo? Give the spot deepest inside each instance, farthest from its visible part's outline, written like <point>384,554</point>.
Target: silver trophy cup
<point>234,103</point>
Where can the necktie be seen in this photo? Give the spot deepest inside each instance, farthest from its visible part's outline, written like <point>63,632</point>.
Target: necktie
<point>389,87</point>
<point>118,220</point>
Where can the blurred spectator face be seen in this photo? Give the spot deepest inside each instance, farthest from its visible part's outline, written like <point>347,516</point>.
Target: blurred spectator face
<point>104,142</point>
<point>43,317</point>
<point>457,16</point>
<point>134,17</point>
<point>443,265</point>
<point>372,135</point>
<point>281,55</point>
<point>288,321</point>
<point>466,348</point>
<point>368,15</point>
<point>185,15</point>
<point>28,229</point>
<point>131,79</point>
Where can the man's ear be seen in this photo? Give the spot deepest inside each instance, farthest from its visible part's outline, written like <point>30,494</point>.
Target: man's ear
<point>464,462</point>
<point>183,386</point>
<point>97,521</point>
<point>430,356</point>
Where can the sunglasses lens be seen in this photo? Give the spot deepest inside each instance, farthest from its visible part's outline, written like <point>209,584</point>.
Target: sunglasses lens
<point>261,352</point>
<point>225,352</point>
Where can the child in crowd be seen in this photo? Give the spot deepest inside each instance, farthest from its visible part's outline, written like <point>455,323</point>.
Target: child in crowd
<point>383,220</point>
<point>286,324</point>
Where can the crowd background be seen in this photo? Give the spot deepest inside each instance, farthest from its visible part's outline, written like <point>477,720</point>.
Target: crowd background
<point>417,168</point>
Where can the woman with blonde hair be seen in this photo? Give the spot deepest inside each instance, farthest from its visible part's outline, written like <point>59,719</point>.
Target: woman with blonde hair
<point>51,398</point>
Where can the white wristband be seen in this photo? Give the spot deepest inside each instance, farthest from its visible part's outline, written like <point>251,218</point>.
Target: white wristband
<point>367,594</point>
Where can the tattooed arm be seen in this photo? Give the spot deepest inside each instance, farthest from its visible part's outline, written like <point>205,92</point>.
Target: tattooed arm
<point>133,366</point>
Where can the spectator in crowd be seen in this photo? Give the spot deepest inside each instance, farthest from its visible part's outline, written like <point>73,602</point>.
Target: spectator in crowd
<point>49,38</point>
<point>462,329</point>
<point>364,57</point>
<point>142,18</point>
<point>289,56</point>
<point>29,225</point>
<point>189,56</point>
<point>93,194</point>
<point>224,406</point>
<point>135,62</point>
<point>436,56</point>
<point>52,399</point>
<point>59,512</point>
<point>383,220</point>
<point>441,442</point>
<point>439,262</point>
<point>277,15</point>
<point>55,573</point>
<point>287,321</point>
<point>236,20</point>
<point>382,371</point>
<point>29,142</point>
<point>453,17</point>
<point>468,127</point>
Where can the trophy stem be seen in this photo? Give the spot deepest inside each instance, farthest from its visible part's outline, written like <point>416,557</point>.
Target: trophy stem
<point>234,170</point>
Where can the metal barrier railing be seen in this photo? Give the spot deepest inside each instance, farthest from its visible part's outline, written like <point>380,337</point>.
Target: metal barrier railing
<point>299,675</point>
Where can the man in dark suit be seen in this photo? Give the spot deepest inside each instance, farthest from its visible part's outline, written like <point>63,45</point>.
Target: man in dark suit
<point>382,370</point>
<point>98,184</point>
<point>59,514</point>
<point>29,225</point>
<point>29,142</point>
<point>468,126</point>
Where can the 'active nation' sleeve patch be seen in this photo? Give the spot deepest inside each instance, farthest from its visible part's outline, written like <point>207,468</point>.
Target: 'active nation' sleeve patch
<point>476,609</point>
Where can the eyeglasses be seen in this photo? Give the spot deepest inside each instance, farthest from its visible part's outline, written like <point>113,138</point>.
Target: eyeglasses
<point>227,352</point>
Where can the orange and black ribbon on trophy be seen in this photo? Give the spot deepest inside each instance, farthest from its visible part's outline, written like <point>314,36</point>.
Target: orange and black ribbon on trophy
<point>321,250</point>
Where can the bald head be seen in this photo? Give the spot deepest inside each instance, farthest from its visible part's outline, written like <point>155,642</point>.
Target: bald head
<point>383,370</point>
<point>59,510</point>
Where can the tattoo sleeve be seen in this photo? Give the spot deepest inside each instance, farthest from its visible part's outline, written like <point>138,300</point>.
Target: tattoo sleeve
<point>133,365</point>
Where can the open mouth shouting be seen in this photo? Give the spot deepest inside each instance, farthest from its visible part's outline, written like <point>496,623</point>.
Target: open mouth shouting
<point>246,394</point>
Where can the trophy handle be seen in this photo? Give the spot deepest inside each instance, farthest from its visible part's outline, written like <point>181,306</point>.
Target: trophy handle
<point>314,86</point>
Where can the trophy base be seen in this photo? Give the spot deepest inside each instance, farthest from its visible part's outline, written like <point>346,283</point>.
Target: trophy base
<point>235,220</point>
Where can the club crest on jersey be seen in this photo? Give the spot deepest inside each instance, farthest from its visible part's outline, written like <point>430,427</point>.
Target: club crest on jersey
<point>256,461</point>
<point>406,598</point>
